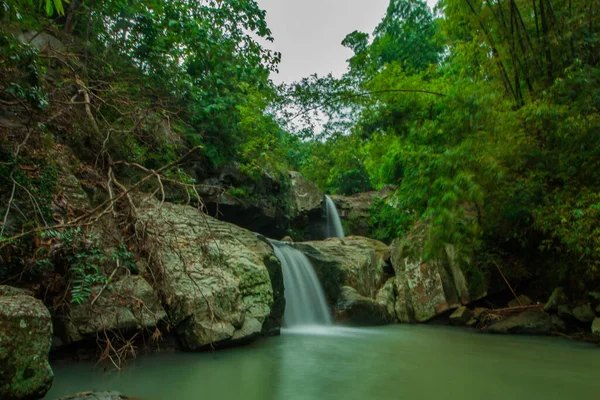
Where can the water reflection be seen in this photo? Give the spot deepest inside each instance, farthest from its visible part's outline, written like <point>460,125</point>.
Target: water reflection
<point>401,362</point>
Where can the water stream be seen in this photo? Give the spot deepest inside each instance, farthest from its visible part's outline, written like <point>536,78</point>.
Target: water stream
<point>334,224</point>
<point>388,363</point>
<point>305,303</point>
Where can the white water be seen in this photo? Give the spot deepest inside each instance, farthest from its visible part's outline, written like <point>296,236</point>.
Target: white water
<point>334,224</point>
<point>305,303</point>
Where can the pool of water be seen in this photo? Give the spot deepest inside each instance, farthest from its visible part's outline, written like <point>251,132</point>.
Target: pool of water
<point>395,362</point>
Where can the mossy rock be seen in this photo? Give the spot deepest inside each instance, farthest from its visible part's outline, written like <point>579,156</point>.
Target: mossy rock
<point>25,339</point>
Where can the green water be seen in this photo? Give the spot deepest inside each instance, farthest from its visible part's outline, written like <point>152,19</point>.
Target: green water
<point>396,362</point>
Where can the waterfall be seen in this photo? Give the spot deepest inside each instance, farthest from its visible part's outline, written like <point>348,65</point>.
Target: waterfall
<point>334,224</point>
<point>304,298</point>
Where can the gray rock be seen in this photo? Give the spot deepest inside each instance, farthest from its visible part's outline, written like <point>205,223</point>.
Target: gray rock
<point>220,283</point>
<point>306,197</point>
<point>358,310</point>
<point>461,316</point>
<point>125,306</point>
<point>584,313</point>
<point>528,322</point>
<point>355,210</point>
<point>387,296</point>
<point>353,261</point>
<point>596,327</point>
<point>25,339</point>
<point>557,298</point>
<point>564,311</point>
<point>521,301</point>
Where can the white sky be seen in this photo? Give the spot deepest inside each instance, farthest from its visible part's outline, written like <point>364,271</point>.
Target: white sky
<point>309,33</point>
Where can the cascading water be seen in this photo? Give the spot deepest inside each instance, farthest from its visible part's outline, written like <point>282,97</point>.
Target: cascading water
<point>334,224</point>
<point>305,303</point>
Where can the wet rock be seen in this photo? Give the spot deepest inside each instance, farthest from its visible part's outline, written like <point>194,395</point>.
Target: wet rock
<point>387,297</point>
<point>557,298</point>
<point>596,327</point>
<point>306,197</point>
<point>220,283</point>
<point>528,322</point>
<point>354,261</point>
<point>359,310</point>
<point>13,291</point>
<point>95,396</point>
<point>521,301</point>
<point>25,339</point>
<point>125,306</point>
<point>460,316</point>
<point>584,313</point>
<point>287,239</point>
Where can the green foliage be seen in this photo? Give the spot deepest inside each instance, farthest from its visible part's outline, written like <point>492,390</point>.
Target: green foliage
<point>83,257</point>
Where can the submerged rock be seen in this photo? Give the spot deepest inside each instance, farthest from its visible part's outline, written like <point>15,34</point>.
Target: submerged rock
<point>95,396</point>
<point>461,316</point>
<point>220,283</point>
<point>529,322</point>
<point>125,306</point>
<point>25,339</point>
<point>558,298</point>
<point>359,310</point>
<point>521,301</point>
<point>584,313</point>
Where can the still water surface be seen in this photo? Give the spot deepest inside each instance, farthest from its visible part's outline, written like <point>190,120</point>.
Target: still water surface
<point>395,362</point>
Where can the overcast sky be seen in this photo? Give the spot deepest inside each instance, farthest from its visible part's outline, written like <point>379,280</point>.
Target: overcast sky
<point>309,33</point>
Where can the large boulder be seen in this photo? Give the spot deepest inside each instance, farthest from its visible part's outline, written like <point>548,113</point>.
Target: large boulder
<point>529,322</point>
<point>258,204</point>
<point>25,339</point>
<point>354,261</point>
<point>427,288</point>
<point>355,210</point>
<point>127,305</point>
<point>354,309</point>
<point>220,284</point>
<point>584,313</point>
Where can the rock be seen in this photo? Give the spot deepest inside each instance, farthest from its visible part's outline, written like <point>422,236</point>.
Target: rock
<point>565,312</point>
<point>387,296</point>
<point>359,310</point>
<point>41,40</point>
<point>95,396</point>
<point>220,283</point>
<point>68,183</point>
<point>355,210</point>
<point>287,239</point>
<point>305,196</point>
<point>426,288</point>
<point>528,322</point>
<point>460,316</point>
<point>558,324</point>
<point>25,339</point>
<point>521,301</point>
<point>354,261</point>
<point>596,327</point>
<point>125,306</point>
<point>584,313</point>
<point>13,291</point>
<point>472,322</point>
<point>557,298</point>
